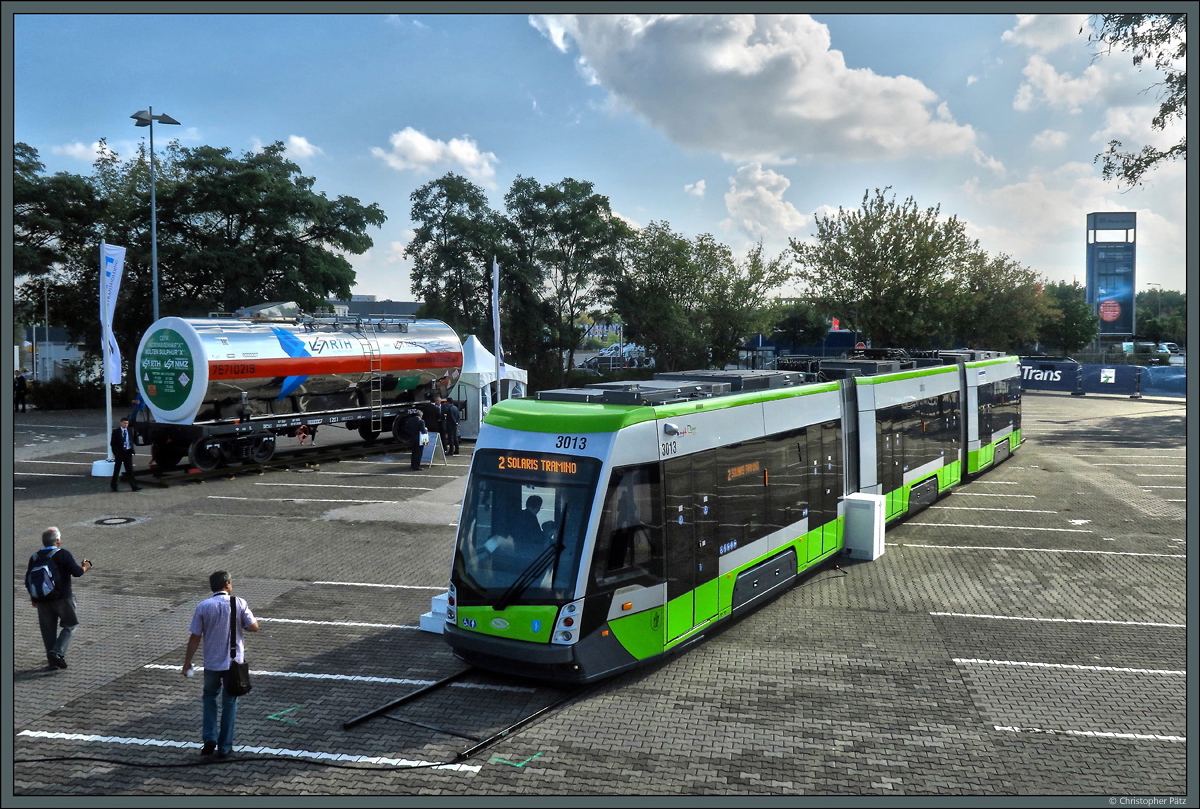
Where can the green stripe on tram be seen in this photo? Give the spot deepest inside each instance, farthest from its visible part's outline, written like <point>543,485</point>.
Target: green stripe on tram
<point>545,416</point>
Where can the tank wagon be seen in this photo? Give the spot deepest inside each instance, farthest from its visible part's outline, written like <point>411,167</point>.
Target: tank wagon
<point>603,527</point>
<point>222,389</point>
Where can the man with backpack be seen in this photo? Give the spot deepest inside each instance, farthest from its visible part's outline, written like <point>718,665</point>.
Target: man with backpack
<point>48,580</point>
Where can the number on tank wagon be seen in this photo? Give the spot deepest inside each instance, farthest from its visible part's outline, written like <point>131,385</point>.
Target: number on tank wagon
<point>571,442</point>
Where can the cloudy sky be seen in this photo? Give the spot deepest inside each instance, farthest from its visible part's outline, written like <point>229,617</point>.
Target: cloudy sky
<point>745,127</point>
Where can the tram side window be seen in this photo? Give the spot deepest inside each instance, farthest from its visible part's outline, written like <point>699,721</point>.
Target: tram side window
<point>629,540</point>
<point>787,487</point>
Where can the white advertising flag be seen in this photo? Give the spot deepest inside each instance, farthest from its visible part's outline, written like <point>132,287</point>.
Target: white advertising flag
<point>496,322</point>
<point>112,263</point>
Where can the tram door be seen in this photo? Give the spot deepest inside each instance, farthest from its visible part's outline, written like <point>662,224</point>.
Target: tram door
<point>691,548</point>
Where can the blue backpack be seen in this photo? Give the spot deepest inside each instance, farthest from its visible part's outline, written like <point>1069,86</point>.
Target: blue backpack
<point>40,580</point>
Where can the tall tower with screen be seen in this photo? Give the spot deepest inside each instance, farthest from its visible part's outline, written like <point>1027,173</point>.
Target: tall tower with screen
<point>1111,261</point>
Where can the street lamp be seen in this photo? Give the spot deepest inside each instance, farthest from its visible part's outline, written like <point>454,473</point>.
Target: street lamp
<point>145,118</point>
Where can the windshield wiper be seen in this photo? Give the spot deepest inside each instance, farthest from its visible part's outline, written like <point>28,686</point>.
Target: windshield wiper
<point>536,568</point>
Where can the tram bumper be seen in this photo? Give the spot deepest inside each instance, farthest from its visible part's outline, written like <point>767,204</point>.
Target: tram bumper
<point>594,656</point>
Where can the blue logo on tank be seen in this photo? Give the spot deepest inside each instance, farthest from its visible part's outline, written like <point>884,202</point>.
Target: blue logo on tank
<point>293,346</point>
<point>535,627</point>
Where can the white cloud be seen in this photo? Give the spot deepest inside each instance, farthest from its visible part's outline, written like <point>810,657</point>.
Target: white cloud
<point>1044,82</point>
<point>414,151</point>
<point>1049,139</point>
<point>1047,32</point>
<point>1131,125</point>
<point>1040,220</point>
<point>765,88</point>
<point>300,148</point>
<point>696,189</point>
<point>756,206</point>
<point>78,151</point>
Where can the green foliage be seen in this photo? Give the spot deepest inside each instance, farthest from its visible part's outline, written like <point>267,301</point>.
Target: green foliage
<point>996,303</point>
<point>797,323</point>
<point>689,302</point>
<point>456,238</point>
<point>66,394</point>
<point>1162,40</point>
<point>50,214</point>
<point>1068,323</point>
<point>888,269</point>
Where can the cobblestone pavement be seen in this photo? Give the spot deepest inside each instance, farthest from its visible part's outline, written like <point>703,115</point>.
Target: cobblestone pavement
<point>1024,636</point>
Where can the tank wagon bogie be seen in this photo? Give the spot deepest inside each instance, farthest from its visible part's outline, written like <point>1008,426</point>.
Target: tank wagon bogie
<point>606,526</point>
<point>222,389</point>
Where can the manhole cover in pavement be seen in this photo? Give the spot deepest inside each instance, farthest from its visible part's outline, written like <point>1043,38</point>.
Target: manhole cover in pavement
<point>116,521</point>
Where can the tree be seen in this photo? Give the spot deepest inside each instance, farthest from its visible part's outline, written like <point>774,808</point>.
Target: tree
<point>998,303</point>
<point>1068,324</point>
<point>735,296</point>
<point>655,293</point>
<point>456,239</point>
<point>581,245</point>
<point>231,232</point>
<point>1161,39</point>
<point>689,302</point>
<point>251,229</point>
<point>886,268</point>
<point>798,323</point>
<point>50,214</point>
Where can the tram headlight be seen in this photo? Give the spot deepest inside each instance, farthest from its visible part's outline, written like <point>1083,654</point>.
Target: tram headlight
<point>564,626</point>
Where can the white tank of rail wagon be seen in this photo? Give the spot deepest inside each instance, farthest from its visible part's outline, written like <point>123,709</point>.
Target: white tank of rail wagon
<point>200,371</point>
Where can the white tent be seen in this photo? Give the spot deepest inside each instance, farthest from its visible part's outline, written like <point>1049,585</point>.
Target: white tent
<point>476,385</point>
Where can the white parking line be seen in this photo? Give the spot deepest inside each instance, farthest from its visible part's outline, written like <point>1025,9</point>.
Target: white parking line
<point>998,482</point>
<point>993,508</point>
<point>1040,550</point>
<point>1056,620</point>
<point>345,486</point>
<point>1071,666</point>
<point>394,586</point>
<point>1163,476</point>
<point>63,463</point>
<point>1103,455</point>
<point>1000,527</point>
<point>1140,465</point>
<point>358,678</point>
<point>46,474</point>
<point>335,623</point>
<point>299,499</point>
<point>344,758</point>
<point>989,494</point>
<point>1141,737</point>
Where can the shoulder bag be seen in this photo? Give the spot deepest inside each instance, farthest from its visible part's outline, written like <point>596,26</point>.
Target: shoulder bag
<point>237,678</point>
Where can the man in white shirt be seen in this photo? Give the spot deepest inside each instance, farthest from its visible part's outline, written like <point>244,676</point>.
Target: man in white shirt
<point>210,623</point>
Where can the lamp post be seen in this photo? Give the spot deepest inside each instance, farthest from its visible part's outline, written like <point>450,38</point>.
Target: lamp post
<point>146,118</point>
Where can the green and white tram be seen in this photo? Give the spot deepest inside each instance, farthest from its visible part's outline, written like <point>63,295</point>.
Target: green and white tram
<point>605,526</point>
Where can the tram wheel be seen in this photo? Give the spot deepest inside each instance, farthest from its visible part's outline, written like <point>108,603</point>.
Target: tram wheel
<point>367,433</point>
<point>204,455</point>
<point>264,449</point>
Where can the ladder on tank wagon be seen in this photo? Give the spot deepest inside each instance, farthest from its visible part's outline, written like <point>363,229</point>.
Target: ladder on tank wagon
<point>375,383</point>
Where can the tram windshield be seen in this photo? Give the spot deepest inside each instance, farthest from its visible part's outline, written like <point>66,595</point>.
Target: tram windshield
<point>522,528</point>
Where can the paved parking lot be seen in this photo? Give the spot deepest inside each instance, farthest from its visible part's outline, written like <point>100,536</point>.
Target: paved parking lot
<point>1025,636</point>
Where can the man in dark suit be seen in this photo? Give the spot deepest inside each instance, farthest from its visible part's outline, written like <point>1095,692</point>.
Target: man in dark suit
<point>121,444</point>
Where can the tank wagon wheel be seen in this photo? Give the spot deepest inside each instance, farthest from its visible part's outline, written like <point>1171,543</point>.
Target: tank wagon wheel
<point>264,449</point>
<point>367,433</point>
<point>204,455</point>
<point>166,456</point>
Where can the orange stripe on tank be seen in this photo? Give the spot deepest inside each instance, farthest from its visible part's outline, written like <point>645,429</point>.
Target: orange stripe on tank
<point>314,366</point>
